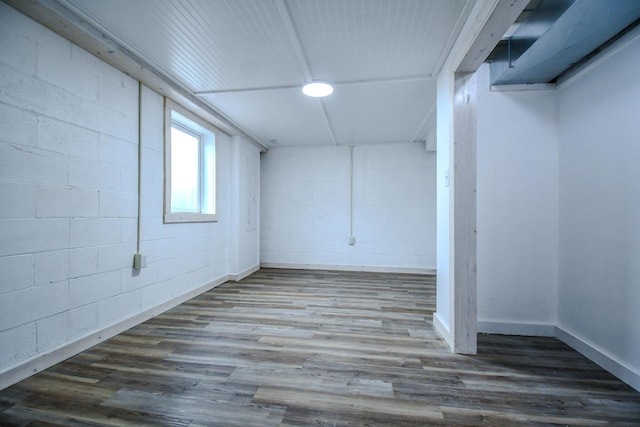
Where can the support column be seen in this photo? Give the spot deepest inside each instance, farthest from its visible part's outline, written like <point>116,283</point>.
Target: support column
<point>463,206</point>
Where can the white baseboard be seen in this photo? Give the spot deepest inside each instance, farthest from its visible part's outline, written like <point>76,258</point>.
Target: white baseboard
<point>442,330</point>
<point>249,271</point>
<point>43,361</point>
<point>600,356</point>
<point>340,267</point>
<point>525,329</point>
<point>591,351</point>
<point>596,354</point>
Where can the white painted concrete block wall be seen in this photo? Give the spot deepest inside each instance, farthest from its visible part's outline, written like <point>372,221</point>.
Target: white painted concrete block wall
<point>244,254</point>
<point>68,172</point>
<point>599,299</point>
<point>517,205</point>
<point>68,185</point>
<point>305,207</point>
<point>178,255</point>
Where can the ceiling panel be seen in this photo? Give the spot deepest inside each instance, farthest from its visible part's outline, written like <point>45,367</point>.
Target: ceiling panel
<point>207,44</point>
<point>384,112</point>
<point>285,115</point>
<point>237,55</point>
<point>376,39</point>
<point>381,54</point>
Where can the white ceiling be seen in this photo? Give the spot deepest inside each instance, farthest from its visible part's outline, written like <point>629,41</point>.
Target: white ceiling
<point>248,59</point>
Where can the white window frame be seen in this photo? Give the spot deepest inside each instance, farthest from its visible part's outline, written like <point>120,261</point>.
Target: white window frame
<point>208,136</point>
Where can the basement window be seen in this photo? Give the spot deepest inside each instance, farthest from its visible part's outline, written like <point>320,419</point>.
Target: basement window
<point>190,167</point>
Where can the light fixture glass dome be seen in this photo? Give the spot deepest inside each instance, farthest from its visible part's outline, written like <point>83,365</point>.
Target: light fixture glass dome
<point>317,89</point>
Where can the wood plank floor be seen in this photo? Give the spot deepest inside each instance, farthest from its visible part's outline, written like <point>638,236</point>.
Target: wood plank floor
<point>309,348</point>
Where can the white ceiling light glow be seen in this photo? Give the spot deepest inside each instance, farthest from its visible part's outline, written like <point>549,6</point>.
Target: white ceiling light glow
<point>317,89</point>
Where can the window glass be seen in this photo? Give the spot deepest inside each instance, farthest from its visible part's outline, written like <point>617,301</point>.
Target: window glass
<point>190,167</point>
<point>185,171</point>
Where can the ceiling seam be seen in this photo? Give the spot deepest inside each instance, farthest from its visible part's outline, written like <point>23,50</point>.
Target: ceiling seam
<point>246,89</point>
<point>423,122</point>
<point>294,38</point>
<point>407,79</point>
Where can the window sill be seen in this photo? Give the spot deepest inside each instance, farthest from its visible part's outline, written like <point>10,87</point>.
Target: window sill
<point>172,218</point>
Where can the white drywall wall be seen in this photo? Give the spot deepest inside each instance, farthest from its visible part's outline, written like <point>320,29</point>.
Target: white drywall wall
<point>599,298</point>
<point>517,205</point>
<point>444,289</point>
<point>305,207</point>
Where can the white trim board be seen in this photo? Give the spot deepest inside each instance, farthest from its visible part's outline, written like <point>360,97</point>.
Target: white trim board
<point>523,87</point>
<point>601,357</point>
<point>516,328</point>
<point>340,267</point>
<point>572,74</point>
<point>441,329</point>
<point>248,272</point>
<point>46,360</point>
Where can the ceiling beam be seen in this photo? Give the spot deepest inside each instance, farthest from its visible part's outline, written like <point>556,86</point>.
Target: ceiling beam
<point>453,36</point>
<point>501,18</point>
<point>294,39</point>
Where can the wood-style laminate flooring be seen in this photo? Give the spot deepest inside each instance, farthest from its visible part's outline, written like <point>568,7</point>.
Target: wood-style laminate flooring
<point>311,348</point>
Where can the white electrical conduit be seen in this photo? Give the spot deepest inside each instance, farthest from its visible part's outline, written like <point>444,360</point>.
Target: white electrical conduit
<point>351,238</point>
<point>138,224</point>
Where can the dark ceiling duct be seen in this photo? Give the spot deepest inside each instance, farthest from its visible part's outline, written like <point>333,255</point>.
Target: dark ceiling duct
<point>553,35</point>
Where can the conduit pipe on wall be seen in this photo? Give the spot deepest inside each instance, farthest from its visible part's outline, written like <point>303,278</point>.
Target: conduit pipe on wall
<point>138,225</point>
<point>138,259</point>
<point>352,239</point>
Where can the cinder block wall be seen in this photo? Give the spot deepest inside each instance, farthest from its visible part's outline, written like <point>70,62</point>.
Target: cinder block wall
<point>68,173</point>
<point>305,207</point>
<point>69,199</point>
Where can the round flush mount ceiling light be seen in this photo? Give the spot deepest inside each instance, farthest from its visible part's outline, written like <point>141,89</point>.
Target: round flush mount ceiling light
<point>317,89</point>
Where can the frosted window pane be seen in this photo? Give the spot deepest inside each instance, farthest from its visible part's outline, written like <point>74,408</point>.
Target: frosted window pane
<point>185,171</point>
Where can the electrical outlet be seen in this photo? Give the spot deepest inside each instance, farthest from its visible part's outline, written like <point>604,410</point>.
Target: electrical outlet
<point>139,261</point>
